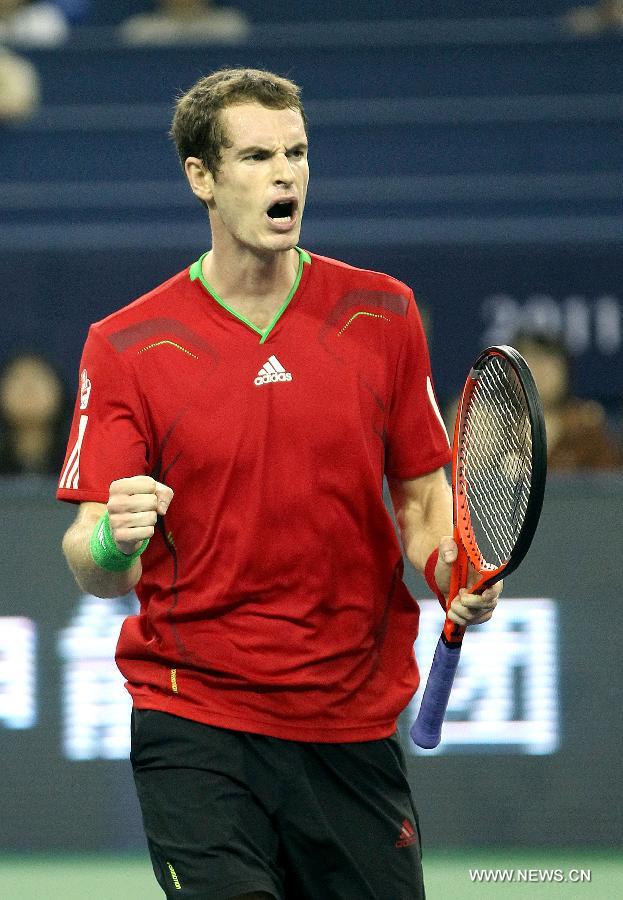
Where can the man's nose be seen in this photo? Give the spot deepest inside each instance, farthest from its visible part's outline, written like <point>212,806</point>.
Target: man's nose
<point>282,169</point>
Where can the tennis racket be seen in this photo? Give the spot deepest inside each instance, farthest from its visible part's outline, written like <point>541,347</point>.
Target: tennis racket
<point>499,466</point>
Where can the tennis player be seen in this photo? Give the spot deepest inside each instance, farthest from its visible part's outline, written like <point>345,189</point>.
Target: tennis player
<point>231,433</point>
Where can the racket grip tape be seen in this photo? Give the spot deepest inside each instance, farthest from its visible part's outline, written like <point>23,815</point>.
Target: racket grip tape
<point>426,730</point>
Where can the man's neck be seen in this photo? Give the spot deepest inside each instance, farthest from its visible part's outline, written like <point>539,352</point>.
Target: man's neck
<point>253,277</point>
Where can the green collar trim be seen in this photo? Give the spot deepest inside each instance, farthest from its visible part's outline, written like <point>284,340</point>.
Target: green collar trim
<point>196,273</point>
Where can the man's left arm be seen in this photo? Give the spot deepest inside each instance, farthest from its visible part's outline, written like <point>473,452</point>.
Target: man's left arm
<point>423,508</point>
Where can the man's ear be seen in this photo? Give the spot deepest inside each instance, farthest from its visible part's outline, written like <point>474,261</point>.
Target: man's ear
<point>200,179</point>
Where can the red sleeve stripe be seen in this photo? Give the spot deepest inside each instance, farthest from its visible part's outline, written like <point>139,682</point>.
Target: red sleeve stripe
<point>435,406</point>
<point>71,472</point>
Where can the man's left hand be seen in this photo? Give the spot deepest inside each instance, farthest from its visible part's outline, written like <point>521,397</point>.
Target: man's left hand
<point>466,608</point>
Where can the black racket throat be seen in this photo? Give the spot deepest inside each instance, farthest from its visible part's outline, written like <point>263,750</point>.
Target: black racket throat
<point>452,643</point>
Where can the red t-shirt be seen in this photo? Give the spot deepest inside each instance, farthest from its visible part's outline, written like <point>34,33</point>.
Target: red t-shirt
<point>271,599</point>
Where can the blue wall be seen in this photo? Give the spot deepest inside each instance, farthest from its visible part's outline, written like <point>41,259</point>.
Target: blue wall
<point>470,162</point>
<point>113,11</point>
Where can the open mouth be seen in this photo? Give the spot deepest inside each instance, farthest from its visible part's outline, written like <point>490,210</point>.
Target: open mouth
<point>282,212</point>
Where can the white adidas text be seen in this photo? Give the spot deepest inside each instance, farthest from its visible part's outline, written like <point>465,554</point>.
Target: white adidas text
<point>276,376</point>
<point>272,371</point>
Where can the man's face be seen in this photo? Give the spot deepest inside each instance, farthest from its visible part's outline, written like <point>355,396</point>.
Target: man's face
<point>550,374</point>
<point>30,393</point>
<point>9,6</point>
<point>259,192</point>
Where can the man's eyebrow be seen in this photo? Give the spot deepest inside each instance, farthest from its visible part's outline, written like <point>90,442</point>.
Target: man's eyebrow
<point>259,148</point>
<point>256,148</point>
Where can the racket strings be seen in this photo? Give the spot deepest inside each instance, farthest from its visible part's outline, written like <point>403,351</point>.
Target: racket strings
<point>496,460</point>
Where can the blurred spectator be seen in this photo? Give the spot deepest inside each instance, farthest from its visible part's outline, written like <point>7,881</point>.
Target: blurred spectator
<point>577,431</point>
<point>603,16</point>
<point>578,436</point>
<point>19,87</point>
<point>185,21</point>
<point>38,24</point>
<point>33,413</point>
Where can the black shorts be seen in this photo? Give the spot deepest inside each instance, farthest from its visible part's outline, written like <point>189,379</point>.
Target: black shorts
<point>227,813</point>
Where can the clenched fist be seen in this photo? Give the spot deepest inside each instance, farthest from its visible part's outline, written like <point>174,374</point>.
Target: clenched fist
<point>134,505</point>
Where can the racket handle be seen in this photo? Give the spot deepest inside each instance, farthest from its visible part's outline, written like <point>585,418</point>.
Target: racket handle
<point>426,730</point>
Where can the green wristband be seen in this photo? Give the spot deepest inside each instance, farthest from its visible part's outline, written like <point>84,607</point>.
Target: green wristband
<point>105,552</point>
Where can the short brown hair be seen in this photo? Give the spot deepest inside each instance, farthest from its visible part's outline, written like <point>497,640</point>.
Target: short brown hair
<point>197,129</point>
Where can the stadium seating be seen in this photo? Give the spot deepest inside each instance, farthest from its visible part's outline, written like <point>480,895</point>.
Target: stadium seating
<point>444,129</point>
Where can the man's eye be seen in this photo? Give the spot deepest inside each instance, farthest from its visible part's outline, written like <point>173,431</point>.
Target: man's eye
<point>298,154</point>
<point>256,157</point>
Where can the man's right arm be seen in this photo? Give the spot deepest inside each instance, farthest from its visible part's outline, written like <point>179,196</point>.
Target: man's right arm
<point>133,507</point>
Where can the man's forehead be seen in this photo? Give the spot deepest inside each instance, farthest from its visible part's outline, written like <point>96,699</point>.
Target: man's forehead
<point>253,123</point>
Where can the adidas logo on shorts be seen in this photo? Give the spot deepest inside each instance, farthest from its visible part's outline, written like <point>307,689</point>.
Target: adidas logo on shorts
<point>271,371</point>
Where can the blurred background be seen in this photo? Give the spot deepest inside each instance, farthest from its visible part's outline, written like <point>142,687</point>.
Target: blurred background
<point>471,148</point>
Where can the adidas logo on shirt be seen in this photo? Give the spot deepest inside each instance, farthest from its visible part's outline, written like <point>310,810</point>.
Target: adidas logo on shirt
<point>272,370</point>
